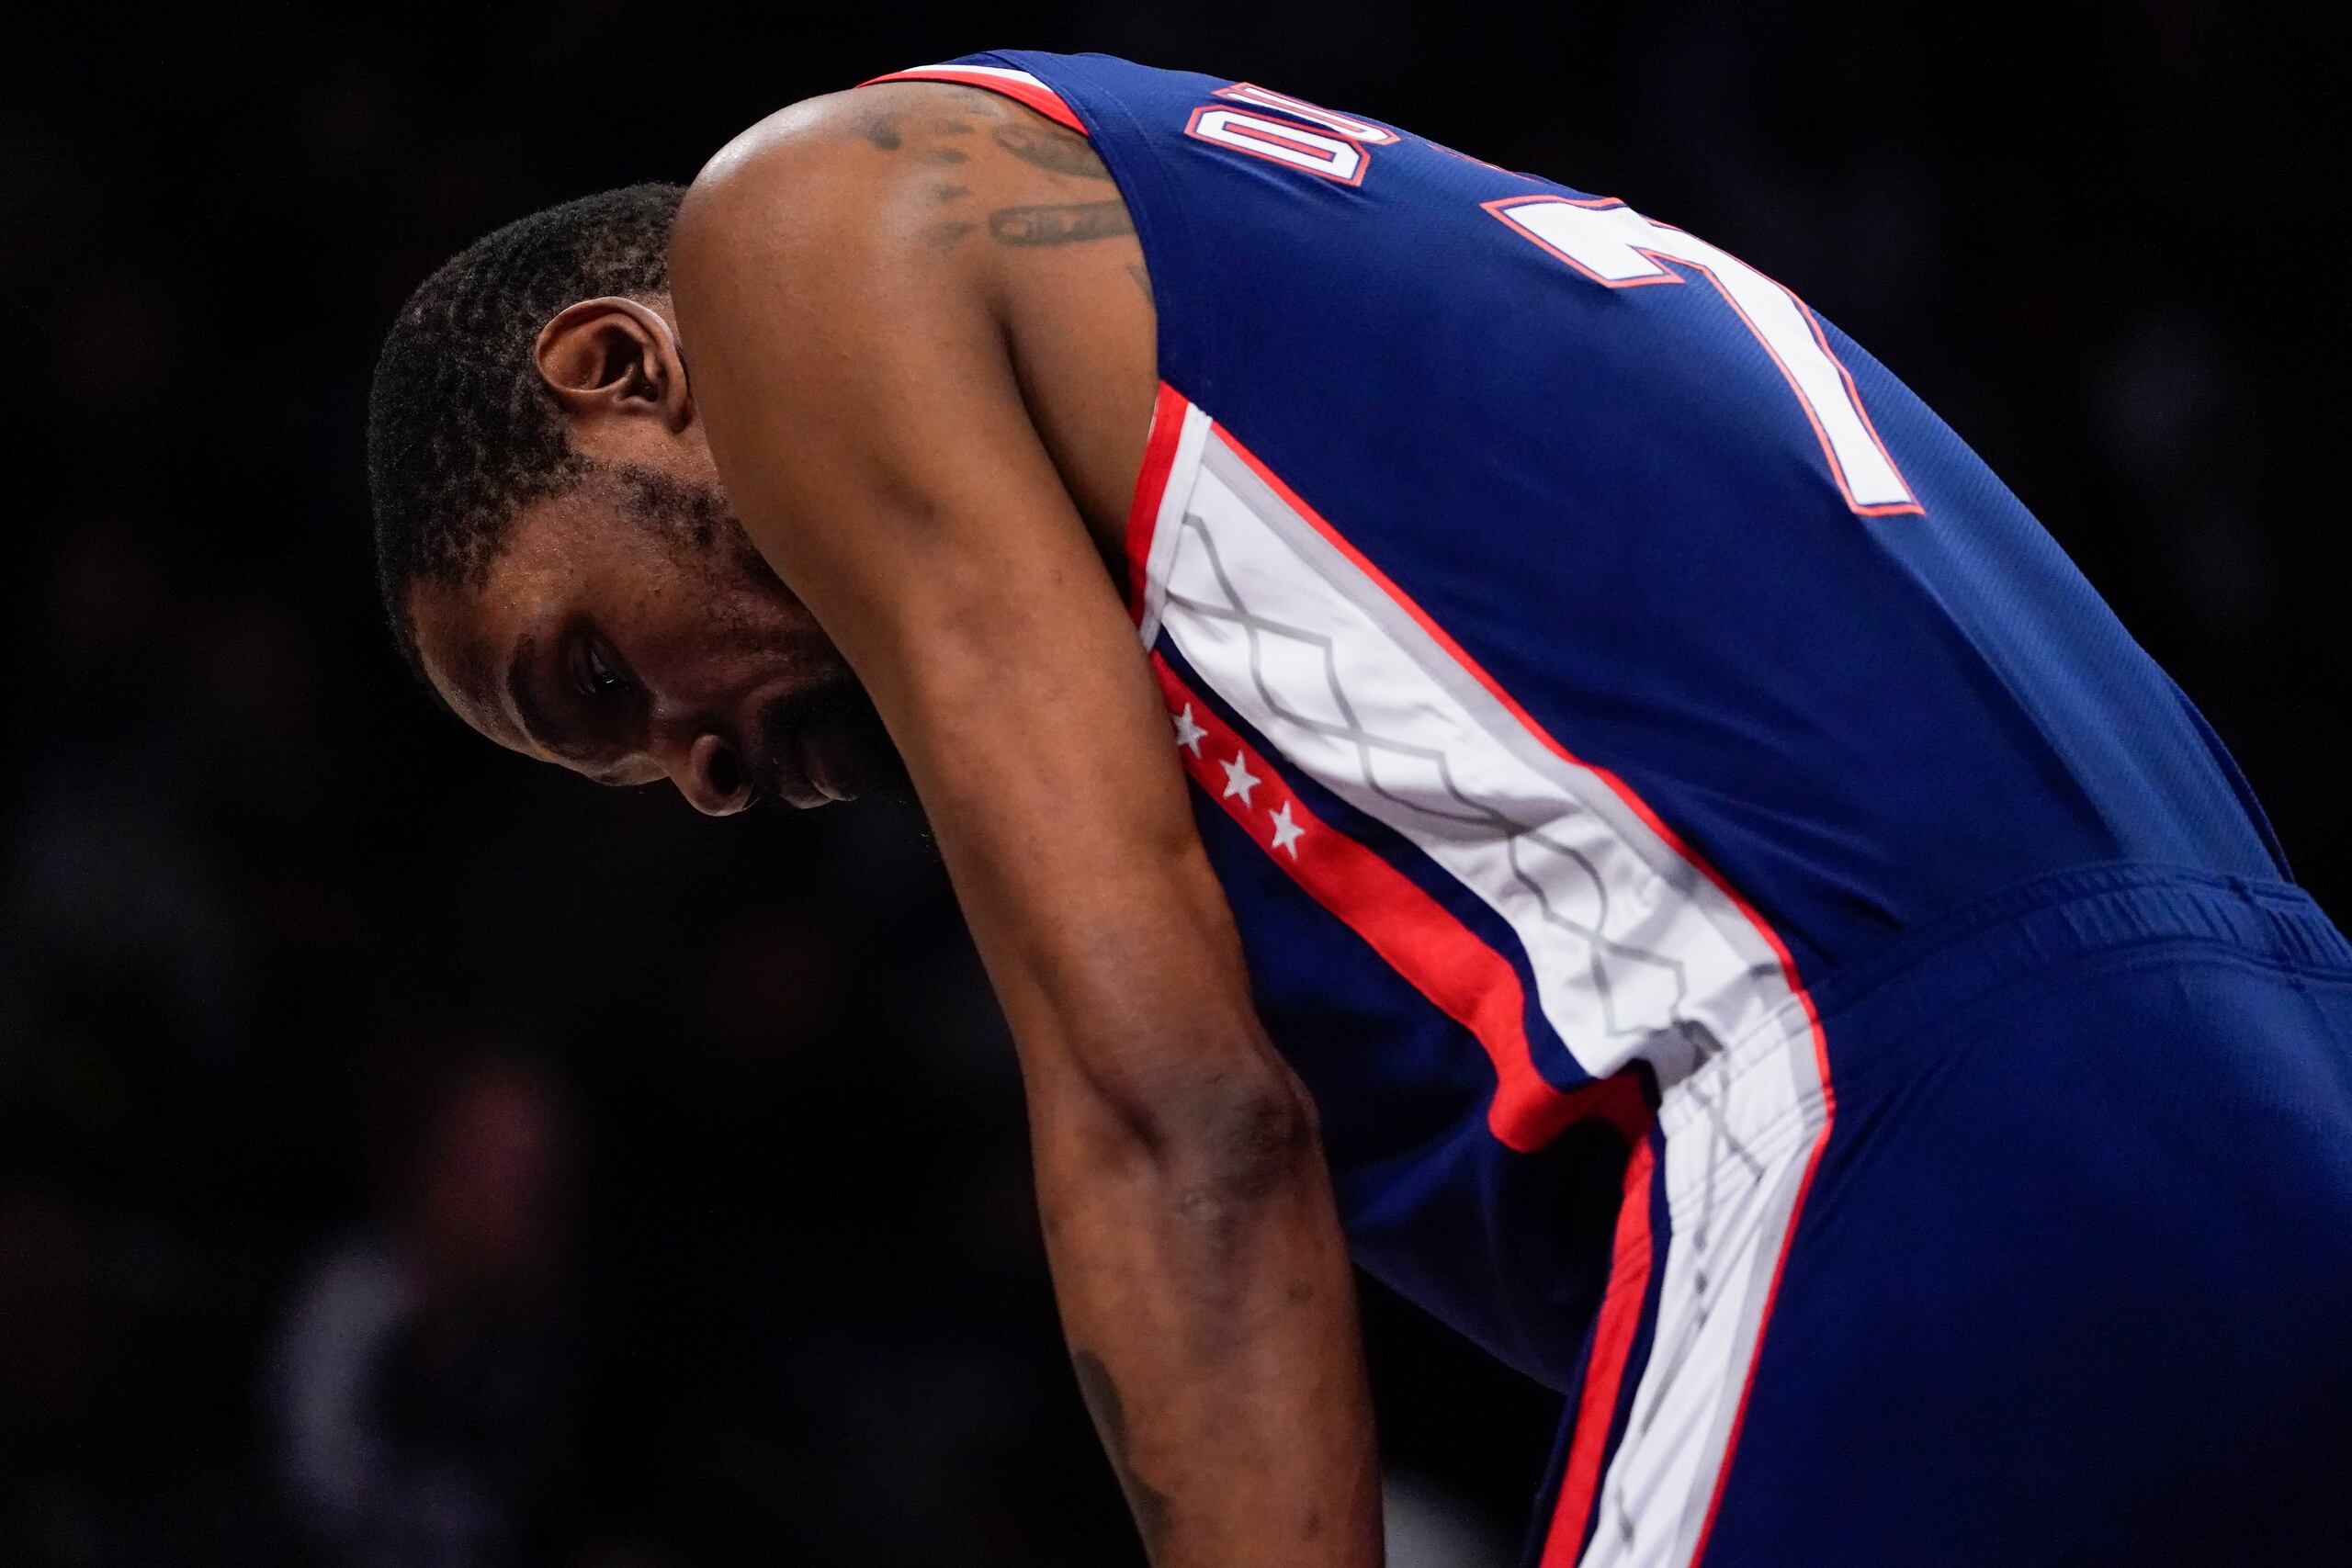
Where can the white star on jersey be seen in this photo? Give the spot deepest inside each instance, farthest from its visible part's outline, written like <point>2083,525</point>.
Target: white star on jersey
<point>1189,734</point>
<point>1287,832</point>
<point>1239,778</point>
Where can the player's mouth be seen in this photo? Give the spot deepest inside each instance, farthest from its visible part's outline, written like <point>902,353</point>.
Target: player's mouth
<point>821,745</point>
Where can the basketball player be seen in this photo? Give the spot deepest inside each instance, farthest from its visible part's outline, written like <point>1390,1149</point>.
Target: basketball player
<point>1680,877</point>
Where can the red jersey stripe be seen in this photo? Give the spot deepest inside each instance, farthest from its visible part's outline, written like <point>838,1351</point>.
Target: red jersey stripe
<point>1019,86</point>
<point>1461,975</point>
<point>1630,1256</point>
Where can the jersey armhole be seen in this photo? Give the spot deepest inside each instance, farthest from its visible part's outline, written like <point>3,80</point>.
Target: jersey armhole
<point>1019,86</point>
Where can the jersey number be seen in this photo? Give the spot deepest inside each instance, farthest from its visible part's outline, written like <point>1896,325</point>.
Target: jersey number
<point>1618,248</point>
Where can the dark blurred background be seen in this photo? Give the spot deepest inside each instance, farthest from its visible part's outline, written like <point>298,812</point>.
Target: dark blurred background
<point>415,1158</point>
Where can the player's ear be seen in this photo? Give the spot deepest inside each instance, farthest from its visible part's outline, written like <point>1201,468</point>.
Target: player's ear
<point>614,356</point>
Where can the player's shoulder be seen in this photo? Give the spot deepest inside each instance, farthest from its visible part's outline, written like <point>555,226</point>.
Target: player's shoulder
<point>850,178</point>
<point>824,132</point>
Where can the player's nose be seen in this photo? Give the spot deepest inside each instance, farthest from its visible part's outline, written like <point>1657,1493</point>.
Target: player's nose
<point>710,773</point>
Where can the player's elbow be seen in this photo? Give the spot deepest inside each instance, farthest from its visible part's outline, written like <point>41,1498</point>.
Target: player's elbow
<point>1225,1143</point>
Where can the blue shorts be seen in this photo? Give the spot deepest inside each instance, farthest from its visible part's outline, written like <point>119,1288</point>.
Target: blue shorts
<point>2072,1283</point>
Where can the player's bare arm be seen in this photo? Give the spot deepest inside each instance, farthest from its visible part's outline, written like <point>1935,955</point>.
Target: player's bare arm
<point>923,358</point>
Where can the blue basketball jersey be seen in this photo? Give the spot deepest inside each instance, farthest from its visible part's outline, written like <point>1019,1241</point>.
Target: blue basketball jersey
<point>1583,652</point>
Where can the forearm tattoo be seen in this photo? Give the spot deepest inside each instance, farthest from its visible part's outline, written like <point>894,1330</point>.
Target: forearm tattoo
<point>1110,1412</point>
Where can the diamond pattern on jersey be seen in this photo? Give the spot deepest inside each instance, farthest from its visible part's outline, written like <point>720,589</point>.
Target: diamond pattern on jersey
<point>1637,953</point>
<point>1298,678</point>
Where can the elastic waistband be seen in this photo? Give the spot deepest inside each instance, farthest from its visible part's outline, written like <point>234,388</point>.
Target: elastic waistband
<point>2053,920</point>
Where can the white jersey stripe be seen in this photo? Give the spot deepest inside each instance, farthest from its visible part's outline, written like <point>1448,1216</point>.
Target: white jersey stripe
<point>1637,953</point>
<point>1634,954</point>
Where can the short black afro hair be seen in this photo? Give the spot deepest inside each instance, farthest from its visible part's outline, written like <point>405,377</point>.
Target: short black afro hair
<point>462,432</point>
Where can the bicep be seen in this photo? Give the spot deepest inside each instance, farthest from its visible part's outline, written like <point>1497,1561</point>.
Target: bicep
<point>868,423</point>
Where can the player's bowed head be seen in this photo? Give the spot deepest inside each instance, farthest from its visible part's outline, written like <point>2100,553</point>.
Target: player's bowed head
<point>555,551</point>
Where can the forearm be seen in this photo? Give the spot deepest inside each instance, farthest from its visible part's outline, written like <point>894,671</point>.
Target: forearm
<point>1204,1288</point>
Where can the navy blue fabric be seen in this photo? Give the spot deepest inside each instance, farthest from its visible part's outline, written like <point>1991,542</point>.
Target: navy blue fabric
<point>1613,501</point>
<point>2071,1287</point>
<point>2078,1239</point>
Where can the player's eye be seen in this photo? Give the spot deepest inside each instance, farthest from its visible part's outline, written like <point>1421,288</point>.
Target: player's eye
<point>595,674</point>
